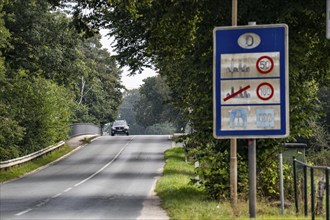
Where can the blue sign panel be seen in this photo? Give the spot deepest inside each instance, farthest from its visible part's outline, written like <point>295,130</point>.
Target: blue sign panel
<point>250,77</point>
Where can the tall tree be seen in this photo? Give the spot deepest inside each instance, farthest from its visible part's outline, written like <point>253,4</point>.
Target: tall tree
<point>10,131</point>
<point>98,88</point>
<point>44,43</point>
<point>154,106</point>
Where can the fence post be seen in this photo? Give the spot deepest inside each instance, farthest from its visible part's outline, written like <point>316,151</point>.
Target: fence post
<point>305,191</point>
<point>313,193</point>
<point>281,183</point>
<point>295,185</point>
<point>327,203</point>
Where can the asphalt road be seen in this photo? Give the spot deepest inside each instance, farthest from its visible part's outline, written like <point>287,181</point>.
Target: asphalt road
<point>111,178</point>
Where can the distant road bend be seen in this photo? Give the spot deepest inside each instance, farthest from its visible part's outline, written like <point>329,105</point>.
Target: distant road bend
<point>110,178</point>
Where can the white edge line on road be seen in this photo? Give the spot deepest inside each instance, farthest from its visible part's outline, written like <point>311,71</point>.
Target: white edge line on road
<point>22,213</point>
<point>105,166</point>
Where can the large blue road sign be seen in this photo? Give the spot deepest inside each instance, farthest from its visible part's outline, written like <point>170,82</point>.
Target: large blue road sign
<point>250,77</point>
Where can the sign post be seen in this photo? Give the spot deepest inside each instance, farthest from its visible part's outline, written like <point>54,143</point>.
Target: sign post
<point>251,82</point>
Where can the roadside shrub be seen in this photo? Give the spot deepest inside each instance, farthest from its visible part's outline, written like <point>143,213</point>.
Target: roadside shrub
<point>214,167</point>
<point>268,180</point>
<point>42,109</point>
<point>10,134</point>
<point>215,176</point>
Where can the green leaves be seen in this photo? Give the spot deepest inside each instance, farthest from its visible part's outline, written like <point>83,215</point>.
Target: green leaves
<point>42,108</point>
<point>154,105</point>
<point>10,134</point>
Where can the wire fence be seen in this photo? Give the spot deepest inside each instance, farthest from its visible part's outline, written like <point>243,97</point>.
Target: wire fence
<point>305,191</point>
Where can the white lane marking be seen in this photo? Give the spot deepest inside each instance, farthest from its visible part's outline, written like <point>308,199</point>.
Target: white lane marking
<point>24,212</point>
<point>68,189</point>
<point>57,195</point>
<point>105,166</point>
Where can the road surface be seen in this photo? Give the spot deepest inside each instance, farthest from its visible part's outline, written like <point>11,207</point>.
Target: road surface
<point>111,178</point>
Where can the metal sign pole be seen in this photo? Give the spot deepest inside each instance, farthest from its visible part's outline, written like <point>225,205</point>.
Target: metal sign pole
<point>252,170</point>
<point>252,178</point>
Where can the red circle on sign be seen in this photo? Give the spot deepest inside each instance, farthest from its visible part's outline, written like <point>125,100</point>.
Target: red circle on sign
<point>271,92</point>
<point>271,65</point>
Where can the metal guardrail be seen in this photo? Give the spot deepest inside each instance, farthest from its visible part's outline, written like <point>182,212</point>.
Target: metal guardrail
<point>76,130</point>
<point>312,190</point>
<point>20,160</point>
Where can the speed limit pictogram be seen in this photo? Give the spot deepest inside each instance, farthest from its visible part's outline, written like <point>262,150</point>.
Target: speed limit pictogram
<point>265,64</point>
<point>265,91</point>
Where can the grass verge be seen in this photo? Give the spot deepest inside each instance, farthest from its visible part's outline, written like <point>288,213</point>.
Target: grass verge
<point>15,172</point>
<point>183,200</point>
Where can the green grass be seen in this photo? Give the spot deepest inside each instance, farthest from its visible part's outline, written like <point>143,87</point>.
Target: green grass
<point>183,200</point>
<point>15,172</point>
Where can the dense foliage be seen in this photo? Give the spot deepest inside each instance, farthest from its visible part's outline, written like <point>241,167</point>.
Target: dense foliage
<point>154,106</point>
<point>50,76</point>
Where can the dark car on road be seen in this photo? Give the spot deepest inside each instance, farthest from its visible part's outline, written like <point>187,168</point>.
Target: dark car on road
<point>119,127</point>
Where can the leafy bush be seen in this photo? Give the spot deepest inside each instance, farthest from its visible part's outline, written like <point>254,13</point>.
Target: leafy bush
<point>42,109</point>
<point>268,179</point>
<point>215,177</point>
<point>10,134</point>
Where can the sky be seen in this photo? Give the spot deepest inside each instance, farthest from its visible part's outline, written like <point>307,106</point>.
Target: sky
<point>130,82</point>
